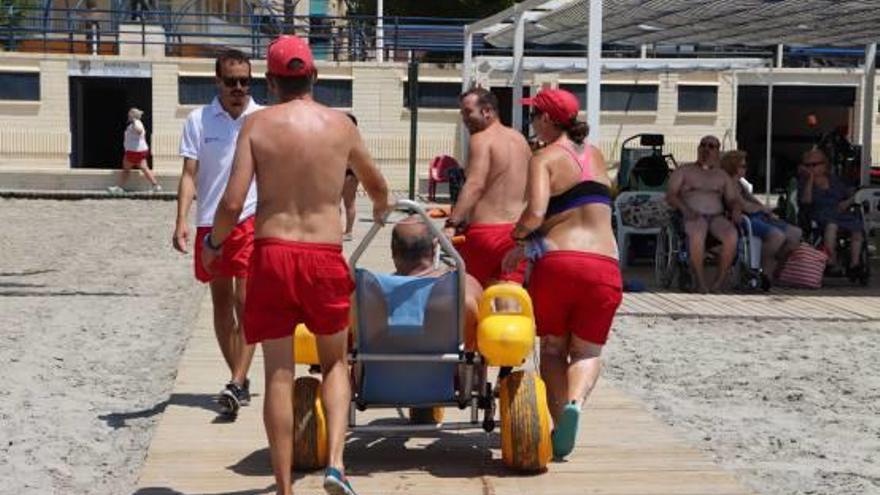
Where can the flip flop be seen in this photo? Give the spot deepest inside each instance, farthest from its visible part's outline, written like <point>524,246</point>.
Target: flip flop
<point>336,484</point>
<point>565,433</point>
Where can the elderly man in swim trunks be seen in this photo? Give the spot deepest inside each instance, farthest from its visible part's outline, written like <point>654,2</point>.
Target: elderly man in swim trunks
<point>413,249</point>
<point>700,191</point>
<point>493,195</point>
<point>298,151</point>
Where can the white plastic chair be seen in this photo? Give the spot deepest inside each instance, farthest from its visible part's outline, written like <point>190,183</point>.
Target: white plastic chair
<point>869,198</point>
<point>625,231</point>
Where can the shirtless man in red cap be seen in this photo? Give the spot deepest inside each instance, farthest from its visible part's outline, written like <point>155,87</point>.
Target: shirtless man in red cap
<point>298,150</point>
<point>493,195</point>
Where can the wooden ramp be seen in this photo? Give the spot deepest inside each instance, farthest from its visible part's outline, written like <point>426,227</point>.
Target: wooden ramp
<point>622,449</point>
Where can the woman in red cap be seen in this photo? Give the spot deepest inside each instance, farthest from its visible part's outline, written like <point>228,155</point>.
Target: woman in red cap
<point>575,281</point>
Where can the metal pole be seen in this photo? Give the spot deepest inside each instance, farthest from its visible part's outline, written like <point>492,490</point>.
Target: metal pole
<point>413,81</point>
<point>380,31</point>
<point>466,84</point>
<point>594,70</point>
<point>519,36</point>
<point>780,50</point>
<point>868,112</point>
<point>769,138</point>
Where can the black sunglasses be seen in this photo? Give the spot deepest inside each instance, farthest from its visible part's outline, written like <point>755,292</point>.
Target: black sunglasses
<point>231,82</point>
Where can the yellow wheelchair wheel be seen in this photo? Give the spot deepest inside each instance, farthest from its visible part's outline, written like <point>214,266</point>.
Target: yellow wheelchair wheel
<point>309,425</point>
<point>426,415</point>
<point>525,422</point>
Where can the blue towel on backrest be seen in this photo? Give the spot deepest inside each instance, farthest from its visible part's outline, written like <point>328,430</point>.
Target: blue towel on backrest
<point>406,298</point>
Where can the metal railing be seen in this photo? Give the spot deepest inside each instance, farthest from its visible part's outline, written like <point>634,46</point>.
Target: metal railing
<point>197,30</point>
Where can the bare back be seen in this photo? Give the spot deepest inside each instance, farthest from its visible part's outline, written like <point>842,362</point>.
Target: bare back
<point>507,153</point>
<point>300,152</point>
<point>588,227</point>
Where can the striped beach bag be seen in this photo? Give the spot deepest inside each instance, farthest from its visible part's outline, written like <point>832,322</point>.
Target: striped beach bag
<point>803,268</point>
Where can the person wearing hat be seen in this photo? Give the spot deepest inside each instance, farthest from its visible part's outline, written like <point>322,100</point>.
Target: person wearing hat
<point>298,151</point>
<point>575,282</point>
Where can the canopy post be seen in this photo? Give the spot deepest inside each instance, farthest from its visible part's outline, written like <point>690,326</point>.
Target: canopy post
<point>519,40</point>
<point>594,70</point>
<point>868,112</point>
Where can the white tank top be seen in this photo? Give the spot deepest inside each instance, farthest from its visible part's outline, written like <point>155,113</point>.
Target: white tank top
<point>134,140</point>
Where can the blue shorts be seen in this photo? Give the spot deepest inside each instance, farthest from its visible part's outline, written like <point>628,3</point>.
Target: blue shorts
<point>763,225</point>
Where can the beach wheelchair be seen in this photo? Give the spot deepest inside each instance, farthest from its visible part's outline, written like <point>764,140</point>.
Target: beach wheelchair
<point>408,352</point>
<point>672,257</point>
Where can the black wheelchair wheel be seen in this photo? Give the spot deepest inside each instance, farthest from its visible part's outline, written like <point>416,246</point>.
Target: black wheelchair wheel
<point>665,258</point>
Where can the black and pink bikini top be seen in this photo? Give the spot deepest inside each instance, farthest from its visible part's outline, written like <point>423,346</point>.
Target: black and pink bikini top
<point>585,192</point>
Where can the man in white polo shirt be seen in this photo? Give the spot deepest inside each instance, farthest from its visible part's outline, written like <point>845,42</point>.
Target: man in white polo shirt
<point>207,147</point>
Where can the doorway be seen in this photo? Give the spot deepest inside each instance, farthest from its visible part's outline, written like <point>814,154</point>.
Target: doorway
<point>801,115</point>
<point>506,106</point>
<point>99,115</point>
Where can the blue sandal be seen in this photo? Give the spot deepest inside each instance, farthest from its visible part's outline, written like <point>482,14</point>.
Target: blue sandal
<point>336,484</point>
<point>565,433</point>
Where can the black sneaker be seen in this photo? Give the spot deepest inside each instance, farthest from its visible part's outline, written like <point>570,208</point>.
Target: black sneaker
<point>232,398</point>
<point>246,398</point>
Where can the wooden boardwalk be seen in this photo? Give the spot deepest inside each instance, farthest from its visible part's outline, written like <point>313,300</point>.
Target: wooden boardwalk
<point>622,449</point>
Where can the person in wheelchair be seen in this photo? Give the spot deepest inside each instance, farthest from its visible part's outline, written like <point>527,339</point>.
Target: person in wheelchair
<point>413,251</point>
<point>829,201</point>
<point>704,194</point>
<point>778,238</point>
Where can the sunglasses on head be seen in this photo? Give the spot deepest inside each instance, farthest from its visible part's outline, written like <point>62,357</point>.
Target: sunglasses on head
<point>231,82</point>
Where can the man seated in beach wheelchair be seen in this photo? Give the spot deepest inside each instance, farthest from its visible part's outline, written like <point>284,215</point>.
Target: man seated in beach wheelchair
<point>707,209</point>
<point>424,338</point>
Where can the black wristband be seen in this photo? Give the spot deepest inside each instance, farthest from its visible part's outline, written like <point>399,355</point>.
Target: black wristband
<point>207,242</point>
<point>449,224</point>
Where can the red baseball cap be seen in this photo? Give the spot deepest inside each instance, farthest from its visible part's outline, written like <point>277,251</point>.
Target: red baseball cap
<point>286,49</point>
<point>561,106</point>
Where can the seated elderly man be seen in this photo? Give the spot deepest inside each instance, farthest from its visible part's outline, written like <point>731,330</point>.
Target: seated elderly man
<point>700,191</point>
<point>413,249</point>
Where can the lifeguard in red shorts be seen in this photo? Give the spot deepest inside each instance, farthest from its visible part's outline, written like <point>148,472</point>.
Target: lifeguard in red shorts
<point>493,195</point>
<point>298,151</point>
<point>575,281</point>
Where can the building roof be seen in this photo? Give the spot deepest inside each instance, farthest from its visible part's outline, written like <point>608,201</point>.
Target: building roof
<point>846,23</point>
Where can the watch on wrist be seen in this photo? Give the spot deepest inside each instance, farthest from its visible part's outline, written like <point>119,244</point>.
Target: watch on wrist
<point>211,246</point>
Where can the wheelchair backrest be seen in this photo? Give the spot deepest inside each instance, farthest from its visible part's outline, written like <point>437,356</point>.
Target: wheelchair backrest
<point>407,315</point>
<point>650,173</point>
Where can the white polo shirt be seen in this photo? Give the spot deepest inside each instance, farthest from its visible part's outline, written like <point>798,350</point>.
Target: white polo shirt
<point>209,136</point>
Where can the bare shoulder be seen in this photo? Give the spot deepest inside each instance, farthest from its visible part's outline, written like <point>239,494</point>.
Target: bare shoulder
<point>547,154</point>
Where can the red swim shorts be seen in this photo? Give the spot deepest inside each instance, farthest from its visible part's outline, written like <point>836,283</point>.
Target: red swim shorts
<point>575,292</point>
<point>136,157</point>
<point>235,255</point>
<point>483,251</point>
<point>296,282</point>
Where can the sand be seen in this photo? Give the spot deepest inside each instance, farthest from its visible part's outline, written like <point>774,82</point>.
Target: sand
<point>95,308</point>
<point>792,407</point>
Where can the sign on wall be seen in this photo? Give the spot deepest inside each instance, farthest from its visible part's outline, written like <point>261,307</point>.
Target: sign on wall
<point>109,68</point>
